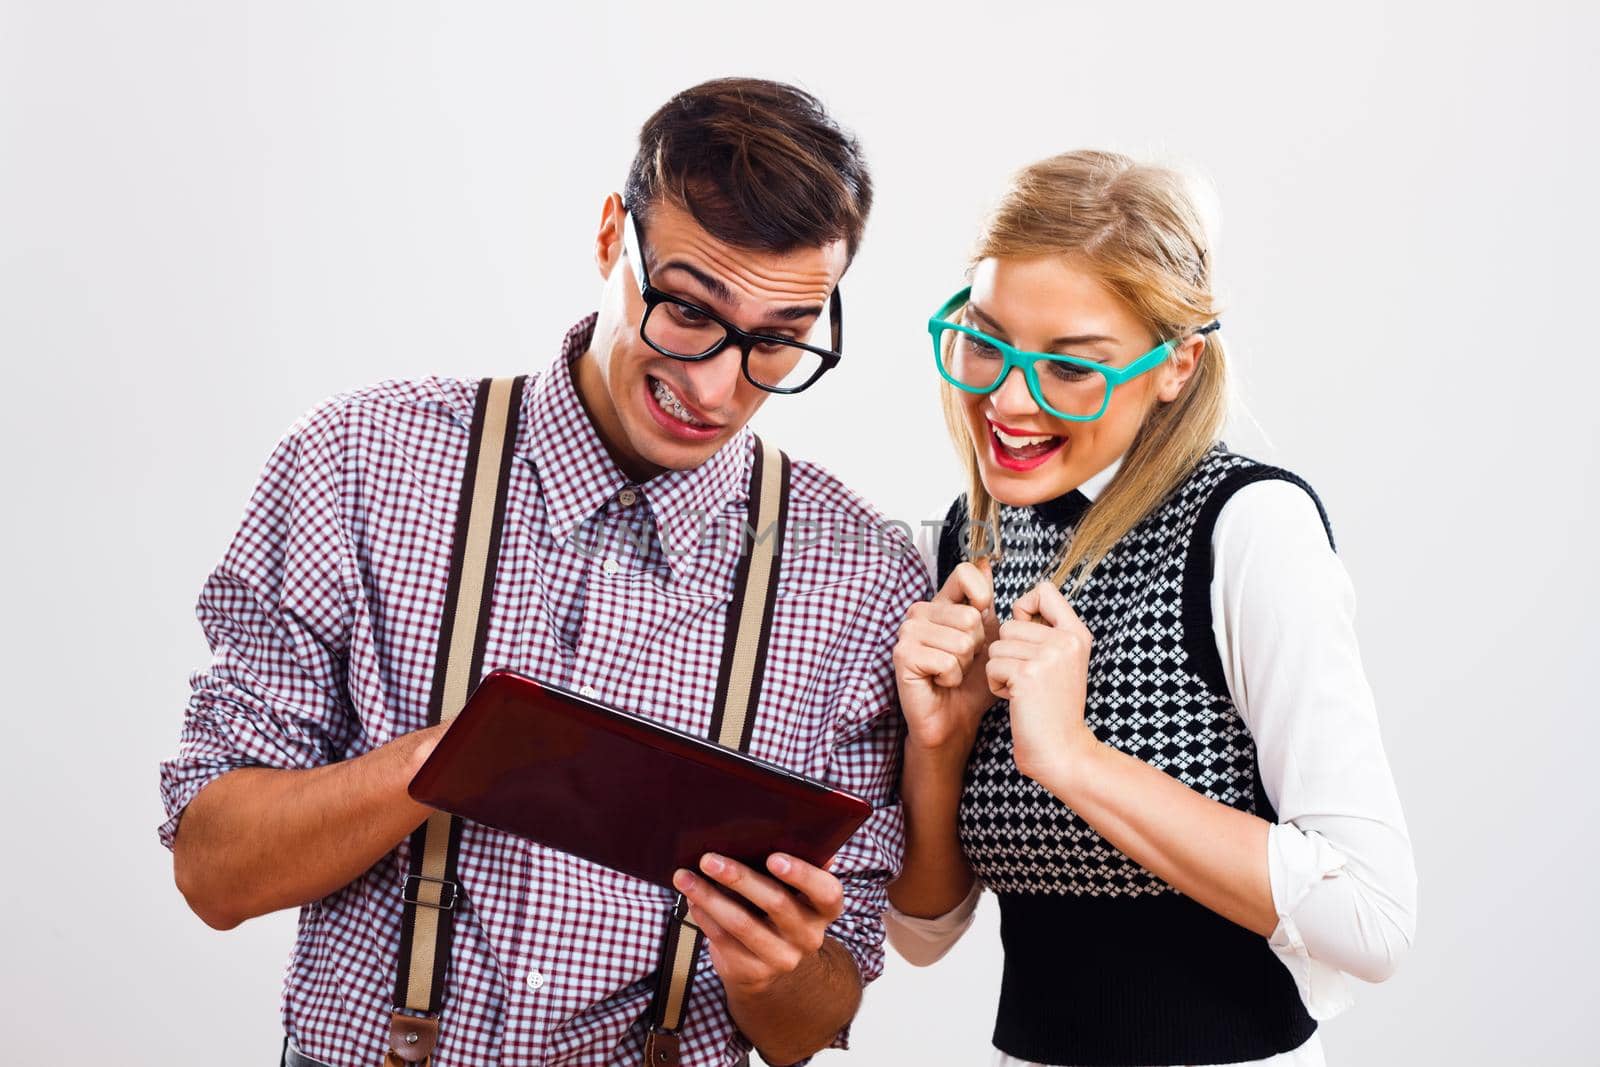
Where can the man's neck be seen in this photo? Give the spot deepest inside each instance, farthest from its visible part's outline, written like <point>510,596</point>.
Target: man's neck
<point>596,401</point>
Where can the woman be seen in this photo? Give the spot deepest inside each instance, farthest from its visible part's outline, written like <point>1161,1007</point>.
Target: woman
<point>1141,721</point>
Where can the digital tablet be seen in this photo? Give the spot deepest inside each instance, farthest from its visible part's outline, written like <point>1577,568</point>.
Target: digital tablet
<point>568,772</point>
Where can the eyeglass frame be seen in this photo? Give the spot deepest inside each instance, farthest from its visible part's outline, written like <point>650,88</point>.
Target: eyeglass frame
<point>732,334</point>
<point>1026,362</point>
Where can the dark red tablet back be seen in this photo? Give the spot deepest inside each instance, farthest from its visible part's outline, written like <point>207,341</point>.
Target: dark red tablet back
<point>570,773</point>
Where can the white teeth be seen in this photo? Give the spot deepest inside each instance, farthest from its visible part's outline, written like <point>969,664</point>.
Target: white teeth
<point>674,407</point>
<point>1012,441</point>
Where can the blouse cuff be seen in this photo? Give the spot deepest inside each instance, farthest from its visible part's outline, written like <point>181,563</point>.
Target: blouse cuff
<point>925,941</point>
<point>1296,862</point>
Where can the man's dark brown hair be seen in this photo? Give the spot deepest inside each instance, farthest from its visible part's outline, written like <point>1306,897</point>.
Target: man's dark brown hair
<point>759,165</point>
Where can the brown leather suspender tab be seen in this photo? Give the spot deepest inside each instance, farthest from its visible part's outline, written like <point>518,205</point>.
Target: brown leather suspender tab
<point>430,891</point>
<point>744,656</point>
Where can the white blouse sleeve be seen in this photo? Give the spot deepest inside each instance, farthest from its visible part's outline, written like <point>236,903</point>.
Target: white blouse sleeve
<point>1344,882</point>
<point>925,941</point>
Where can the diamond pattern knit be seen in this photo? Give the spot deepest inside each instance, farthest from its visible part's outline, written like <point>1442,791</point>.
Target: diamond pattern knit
<point>1144,697</point>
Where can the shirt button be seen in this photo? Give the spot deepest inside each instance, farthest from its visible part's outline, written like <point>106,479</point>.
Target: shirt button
<point>627,498</point>
<point>588,691</point>
<point>611,566</point>
<point>535,981</point>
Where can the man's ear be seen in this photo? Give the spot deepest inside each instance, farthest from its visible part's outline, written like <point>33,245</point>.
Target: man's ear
<point>1180,367</point>
<point>608,239</point>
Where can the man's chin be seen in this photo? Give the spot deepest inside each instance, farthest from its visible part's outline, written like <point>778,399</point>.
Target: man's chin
<point>659,448</point>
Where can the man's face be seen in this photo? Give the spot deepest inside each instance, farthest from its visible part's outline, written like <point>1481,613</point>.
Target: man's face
<point>657,412</point>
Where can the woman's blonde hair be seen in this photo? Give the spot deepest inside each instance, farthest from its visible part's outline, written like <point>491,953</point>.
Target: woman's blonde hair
<point>1136,228</point>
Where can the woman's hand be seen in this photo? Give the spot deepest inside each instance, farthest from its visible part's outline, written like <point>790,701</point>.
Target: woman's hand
<point>1040,663</point>
<point>939,661</point>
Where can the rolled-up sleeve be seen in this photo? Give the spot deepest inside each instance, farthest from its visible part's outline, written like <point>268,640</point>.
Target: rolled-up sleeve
<point>923,941</point>
<point>1339,859</point>
<point>276,614</point>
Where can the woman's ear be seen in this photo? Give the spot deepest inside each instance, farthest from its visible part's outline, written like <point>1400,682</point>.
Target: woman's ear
<point>608,239</point>
<point>1179,368</point>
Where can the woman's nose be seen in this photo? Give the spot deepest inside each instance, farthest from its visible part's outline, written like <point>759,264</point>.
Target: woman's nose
<point>1013,397</point>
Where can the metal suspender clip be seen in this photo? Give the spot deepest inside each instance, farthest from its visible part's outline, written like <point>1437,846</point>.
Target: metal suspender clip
<point>447,892</point>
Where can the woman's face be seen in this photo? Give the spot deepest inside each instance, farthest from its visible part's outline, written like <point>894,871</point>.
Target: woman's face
<point>1048,304</point>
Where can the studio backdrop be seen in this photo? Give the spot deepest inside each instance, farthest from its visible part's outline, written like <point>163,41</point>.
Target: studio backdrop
<point>212,216</point>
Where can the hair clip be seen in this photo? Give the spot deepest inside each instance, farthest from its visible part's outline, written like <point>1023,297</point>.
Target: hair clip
<point>1211,327</point>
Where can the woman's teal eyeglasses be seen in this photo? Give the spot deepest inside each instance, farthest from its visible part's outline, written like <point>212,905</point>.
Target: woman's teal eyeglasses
<point>1068,387</point>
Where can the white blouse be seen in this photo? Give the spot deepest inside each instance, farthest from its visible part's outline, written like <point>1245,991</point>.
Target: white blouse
<point>1339,858</point>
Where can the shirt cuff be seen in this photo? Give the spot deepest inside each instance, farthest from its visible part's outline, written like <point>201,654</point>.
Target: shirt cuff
<point>181,782</point>
<point>1296,861</point>
<point>925,941</point>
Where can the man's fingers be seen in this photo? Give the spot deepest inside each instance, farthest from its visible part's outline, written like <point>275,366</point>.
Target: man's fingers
<point>707,925</point>
<point>820,889</point>
<point>735,921</point>
<point>758,889</point>
<point>731,959</point>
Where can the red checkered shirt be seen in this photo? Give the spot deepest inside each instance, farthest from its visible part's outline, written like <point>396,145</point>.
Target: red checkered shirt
<point>322,619</point>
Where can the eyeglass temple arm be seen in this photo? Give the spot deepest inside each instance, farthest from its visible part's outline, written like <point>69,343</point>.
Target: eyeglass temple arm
<point>635,256</point>
<point>836,319</point>
<point>951,304</point>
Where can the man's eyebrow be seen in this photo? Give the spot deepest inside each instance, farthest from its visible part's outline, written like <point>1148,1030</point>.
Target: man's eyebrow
<point>1059,342</point>
<point>715,286</point>
<point>719,291</point>
<point>797,312</point>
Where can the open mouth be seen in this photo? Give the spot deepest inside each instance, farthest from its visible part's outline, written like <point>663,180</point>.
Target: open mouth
<point>1019,450</point>
<point>673,415</point>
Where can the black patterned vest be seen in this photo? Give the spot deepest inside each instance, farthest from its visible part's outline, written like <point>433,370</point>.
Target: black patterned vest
<point>1105,963</point>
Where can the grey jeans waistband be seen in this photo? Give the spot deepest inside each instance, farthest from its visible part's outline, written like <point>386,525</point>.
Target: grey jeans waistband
<point>292,1058</point>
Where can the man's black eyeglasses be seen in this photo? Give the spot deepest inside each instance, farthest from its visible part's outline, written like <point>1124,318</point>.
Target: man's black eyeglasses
<point>675,327</point>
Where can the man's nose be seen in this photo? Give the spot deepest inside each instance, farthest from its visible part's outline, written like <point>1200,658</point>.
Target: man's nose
<point>716,378</point>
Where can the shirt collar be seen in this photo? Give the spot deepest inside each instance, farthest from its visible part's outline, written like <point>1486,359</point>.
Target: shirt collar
<point>1096,484</point>
<point>687,504</point>
<point>1068,508</point>
<point>578,475</point>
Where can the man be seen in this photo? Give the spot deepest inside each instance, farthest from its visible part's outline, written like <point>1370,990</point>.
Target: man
<point>742,210</point>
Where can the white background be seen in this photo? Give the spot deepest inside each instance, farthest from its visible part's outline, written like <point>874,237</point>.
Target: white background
<point>214,214</point>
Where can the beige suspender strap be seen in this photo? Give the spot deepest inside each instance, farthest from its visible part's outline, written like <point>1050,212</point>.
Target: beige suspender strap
<point>744,655</point>
<point>744,651</point>
<point>430,891</point>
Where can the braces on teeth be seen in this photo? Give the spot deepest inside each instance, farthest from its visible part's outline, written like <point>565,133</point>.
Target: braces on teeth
<point>667,399</point>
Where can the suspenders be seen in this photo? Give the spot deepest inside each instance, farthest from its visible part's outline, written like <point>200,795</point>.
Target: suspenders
<point>430,891</point>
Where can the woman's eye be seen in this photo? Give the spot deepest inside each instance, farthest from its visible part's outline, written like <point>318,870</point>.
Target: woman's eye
<point>981,347</point>
<point>772,348</point>
<point>1069,372</point>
